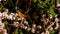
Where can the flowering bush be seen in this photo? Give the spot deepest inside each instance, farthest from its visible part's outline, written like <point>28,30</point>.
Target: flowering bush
<point>29,17</point>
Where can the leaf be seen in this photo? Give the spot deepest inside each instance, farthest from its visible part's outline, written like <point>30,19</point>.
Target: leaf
<point>52,32</point>
<point>20,31</point>
<point>34,1</point>
<point>1,7</point>
<point>52,10</point>
<point>58,1</point>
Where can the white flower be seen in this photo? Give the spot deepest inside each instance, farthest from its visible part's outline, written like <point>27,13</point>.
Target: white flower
<point>47,20</point>
<point>43,15</point>
<point>14,18</point>
<point>42,33</point>
<point>16,14</point>
<point>28,29</point>
<point>33,30</point>
<point>0,0</point>
<point>10,17</point>
<point>1,25</point>
<point>56,20</point>
<point>58,5</point>
<point>51,28</point>
<point>34,25</point>
<point>19,19</point>
<point>25,27</point>
<point>12,14</point>
<point>16,24</point>
<point>39,27</point>
<point>25,22</point>
<point>50,16</point>
<point>55,15</point>
<point>4,14</point>
<point>5,33</point>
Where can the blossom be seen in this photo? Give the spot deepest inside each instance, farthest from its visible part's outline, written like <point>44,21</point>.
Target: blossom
<point>25,27</point>
<point>0,0</point>
<point>39,27</point>
<point>51,28</point>
<point>16,14</point>
<point>33,30</point>
<point>58,5</point>
<point>42,33</point>
<point>25,22</point>
<point>19,19</point>
<point>34,26</point>
<point>1,25</point>
<point>16,24</point>
<point>28,29</point>
<point>10,17</point>
<point>56,20</point>
<point>50,16</point>
<point>4,15</point>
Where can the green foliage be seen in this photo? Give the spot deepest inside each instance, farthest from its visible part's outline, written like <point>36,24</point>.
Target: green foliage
<point>52,32</point>
<point>20,31</point>
<point>52,10</point>
<point>1,7</point>
<point>58,1</point>
<point>34,1</point>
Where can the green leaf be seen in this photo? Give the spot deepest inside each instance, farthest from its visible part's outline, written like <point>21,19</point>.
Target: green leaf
<point>52,32</point>
<point>52,10</point>
<point>1,7</point>
<point>58,1</point>
<point>34,1</point>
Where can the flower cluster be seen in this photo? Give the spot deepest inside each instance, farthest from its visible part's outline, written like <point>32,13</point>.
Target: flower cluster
<point>19,21</point>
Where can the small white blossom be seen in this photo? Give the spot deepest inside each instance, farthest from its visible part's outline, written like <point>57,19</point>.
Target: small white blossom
<point>19,19</point>
<point>42,33</point>
<point>47,20</point>
<point>34,25</point>
<point>50,16</point>
<point>58,5</point>
<point>0,0</point>
<point>51,28</point>
<point>1,25</point>
<point>14,18</point>
<point>33,30</point>
<point>25,27</point>
<point>39,27</point>
<point>10,17</point>
<point>4,14</point>
<point>28,29</point>
<point>56,20</point>
<point>16,24</point>
<point>16,14</point>
<point>25,22</point>
<point>43,15</point>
